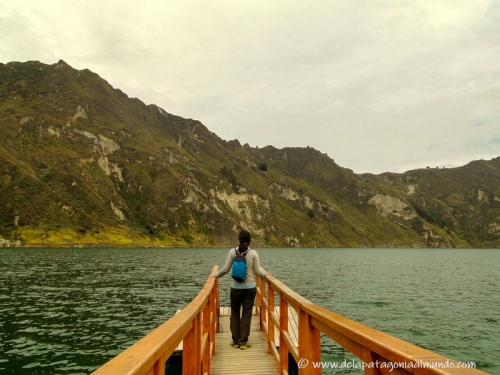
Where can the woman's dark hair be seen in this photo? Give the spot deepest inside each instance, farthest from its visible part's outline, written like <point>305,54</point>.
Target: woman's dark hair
<point>244,238</point>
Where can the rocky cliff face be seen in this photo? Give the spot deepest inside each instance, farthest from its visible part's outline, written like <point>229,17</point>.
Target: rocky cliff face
<point>464,201</point>
<point>81,163</point>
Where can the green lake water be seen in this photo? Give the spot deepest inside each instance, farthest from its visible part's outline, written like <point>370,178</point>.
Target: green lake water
<point>68,311</point>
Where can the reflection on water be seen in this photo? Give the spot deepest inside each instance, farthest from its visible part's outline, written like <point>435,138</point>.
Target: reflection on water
<point>66,311</point>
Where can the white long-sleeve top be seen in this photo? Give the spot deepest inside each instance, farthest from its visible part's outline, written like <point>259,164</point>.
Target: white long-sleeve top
<point>253,268</point>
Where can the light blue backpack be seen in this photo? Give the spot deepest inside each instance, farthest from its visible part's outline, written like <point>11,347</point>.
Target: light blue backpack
<point>239,272</point>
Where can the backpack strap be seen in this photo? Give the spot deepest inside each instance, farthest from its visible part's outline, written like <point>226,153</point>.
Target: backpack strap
<point>242,254</point>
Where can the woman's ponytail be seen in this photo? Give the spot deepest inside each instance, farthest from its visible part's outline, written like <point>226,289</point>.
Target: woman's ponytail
<point>244,238</point>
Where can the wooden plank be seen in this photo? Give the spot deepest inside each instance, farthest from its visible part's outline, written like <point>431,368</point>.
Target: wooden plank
<point>264,328</point>
<point>205,342</point>
<point>370,357</point>
<point>213,320</point>
<point>283,324</point>
<point>274,320</point>
<point>217,304</point>
<point>314,340</point>
<point>293,326</point>
<point>304,321</point>
<point>256,360</point>
<point>271,335</point>
<point>263,300</point>
<point>255,371</point>
<point>293,349</point>
<point>340,339</point>
<point>159,367</point>
<point>275,352</point>
<point>189,355</point>
<point>226,311</point>
<point>237,365</point>
<point>221,361</point>
<point>294,299</point>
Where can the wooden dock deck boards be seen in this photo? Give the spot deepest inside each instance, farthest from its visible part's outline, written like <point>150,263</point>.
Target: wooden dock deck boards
<point>255,360</point>
<point>293,326</point>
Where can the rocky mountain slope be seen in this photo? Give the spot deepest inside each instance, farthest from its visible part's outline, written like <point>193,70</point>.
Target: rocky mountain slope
<point>81,163</point>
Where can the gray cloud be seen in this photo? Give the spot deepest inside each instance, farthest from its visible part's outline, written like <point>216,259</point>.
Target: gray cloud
<point>379,86</point>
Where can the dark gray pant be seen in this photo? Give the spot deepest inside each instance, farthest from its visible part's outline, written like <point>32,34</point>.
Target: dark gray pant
<point>240,325</point>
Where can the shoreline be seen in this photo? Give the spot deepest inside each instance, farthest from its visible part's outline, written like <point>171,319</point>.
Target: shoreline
<point>48,246</point>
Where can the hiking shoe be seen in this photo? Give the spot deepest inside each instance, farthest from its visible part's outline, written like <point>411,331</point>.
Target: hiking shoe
<point>234,344</point>
<point>245,346</point>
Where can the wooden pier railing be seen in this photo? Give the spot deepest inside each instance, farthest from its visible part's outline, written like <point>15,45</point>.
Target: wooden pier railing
<point>364,342</point>
<point>195,325</point>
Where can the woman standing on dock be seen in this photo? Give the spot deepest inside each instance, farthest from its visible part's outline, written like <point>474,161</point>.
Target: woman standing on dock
<point>246,265</point>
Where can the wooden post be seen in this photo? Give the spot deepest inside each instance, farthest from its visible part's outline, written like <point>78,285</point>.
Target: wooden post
<point>283,328</point>
<point>217,309</point>
<point>309,344</point>
<point>213,311</point>
<point>304,322</point>
<point>197,342</point>
<point>270,323</point>
<point>314,348</point>
<point>262,304</point>
<point>159,367</point>
<point>189,352</point>
<point>257,300</point>
<point>370,357</point>
<point>206,329</point>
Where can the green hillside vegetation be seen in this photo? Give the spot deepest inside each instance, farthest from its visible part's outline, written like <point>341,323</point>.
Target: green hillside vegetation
<point>82,164</point>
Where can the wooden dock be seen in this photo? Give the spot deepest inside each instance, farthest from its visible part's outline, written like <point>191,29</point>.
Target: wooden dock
<point>283,323</point>
<point>256,360</point>
<point>225,313</point>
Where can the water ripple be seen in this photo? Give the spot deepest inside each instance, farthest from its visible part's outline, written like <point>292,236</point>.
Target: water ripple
<point>67,311</point>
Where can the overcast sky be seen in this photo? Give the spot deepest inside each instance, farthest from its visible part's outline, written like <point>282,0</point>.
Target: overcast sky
<point>378,85</point>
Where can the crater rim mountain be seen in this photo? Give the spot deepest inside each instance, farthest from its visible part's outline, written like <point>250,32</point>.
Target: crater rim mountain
<point>83,164</point>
